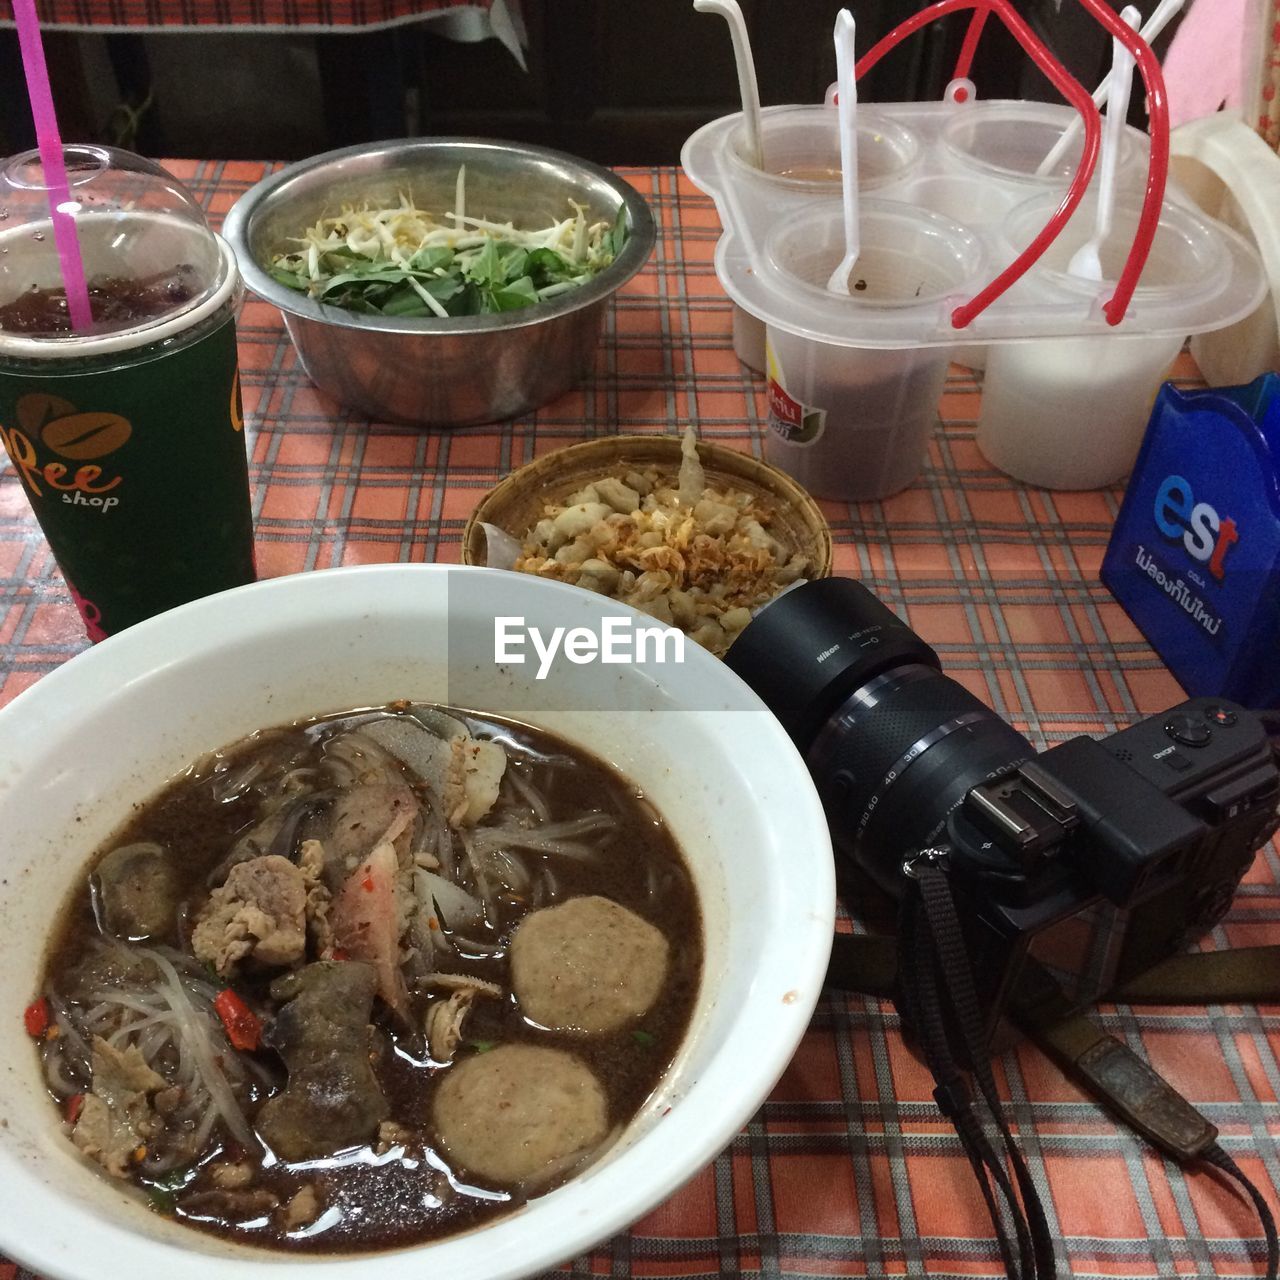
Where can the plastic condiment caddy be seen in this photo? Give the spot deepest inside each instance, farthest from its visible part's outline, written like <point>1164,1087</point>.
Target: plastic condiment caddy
<point>971,165</point>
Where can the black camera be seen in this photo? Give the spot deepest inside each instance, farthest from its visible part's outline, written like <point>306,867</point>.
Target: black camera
<point>1073,869</point>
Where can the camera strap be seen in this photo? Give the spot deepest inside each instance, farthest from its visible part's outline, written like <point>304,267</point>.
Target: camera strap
<point>1132,1090</point>
<point>915,970</point>
<point>932,963</point>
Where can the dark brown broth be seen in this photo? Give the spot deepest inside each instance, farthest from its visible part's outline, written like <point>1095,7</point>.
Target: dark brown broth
<point>383,1201</point>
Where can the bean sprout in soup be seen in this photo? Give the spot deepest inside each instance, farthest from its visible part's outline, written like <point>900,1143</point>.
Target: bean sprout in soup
<point>369,980</point>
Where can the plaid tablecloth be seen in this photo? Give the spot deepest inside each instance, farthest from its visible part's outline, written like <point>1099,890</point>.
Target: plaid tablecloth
<point>847,1170</point>
<point>241,15</point>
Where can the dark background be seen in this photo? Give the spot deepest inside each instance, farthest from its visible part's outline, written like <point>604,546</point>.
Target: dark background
<point>618,81</point>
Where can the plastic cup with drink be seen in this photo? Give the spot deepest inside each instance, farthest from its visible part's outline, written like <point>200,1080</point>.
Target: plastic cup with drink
<point>126,434</point>
<point>1069,412</point>
<point>854,422</point>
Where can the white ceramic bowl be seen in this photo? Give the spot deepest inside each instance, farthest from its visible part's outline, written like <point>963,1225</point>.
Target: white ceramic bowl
<point>103,732</point>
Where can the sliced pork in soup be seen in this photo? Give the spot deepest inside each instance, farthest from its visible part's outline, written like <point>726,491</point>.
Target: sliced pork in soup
<point>369,979</point>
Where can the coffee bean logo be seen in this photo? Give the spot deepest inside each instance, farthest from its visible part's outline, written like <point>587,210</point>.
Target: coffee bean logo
<point>37,407</point>
<point>86,435</point>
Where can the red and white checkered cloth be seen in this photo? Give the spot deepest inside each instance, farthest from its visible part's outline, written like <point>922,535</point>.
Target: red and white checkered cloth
<point>847,1169</point>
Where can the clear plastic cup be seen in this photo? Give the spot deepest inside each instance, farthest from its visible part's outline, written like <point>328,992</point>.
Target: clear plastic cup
<point>1008,140</point>
<point>801,148</point>
<point>127,438</point>
<point>748,339</point>
<point>1069,413</point>
<point>973,202</point>
<point>854,423</point>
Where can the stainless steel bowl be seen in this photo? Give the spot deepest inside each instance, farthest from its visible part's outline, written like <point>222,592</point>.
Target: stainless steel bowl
<point>441,372</point>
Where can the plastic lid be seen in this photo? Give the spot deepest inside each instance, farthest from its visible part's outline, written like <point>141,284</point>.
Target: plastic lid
<point>149,254</point>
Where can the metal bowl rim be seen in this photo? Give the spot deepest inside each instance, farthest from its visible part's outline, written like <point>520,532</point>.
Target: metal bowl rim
<point>635,253</point>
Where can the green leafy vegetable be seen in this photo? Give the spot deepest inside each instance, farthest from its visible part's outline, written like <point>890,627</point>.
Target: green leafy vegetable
<point>618,236</point>
<point>163,1192</point>
<point>646,1038</point>
<point>400,261</point>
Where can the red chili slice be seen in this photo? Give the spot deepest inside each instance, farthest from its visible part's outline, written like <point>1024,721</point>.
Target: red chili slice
<point>36,1017</point>
<point>244,1027</point>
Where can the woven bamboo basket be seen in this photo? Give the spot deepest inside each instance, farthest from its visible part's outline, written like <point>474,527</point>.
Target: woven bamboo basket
<point>517,503</point>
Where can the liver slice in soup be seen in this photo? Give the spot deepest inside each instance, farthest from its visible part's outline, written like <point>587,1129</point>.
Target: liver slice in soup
<point>333,1099</point>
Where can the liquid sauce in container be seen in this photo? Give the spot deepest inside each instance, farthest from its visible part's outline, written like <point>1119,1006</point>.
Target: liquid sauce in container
<point>810,173</point>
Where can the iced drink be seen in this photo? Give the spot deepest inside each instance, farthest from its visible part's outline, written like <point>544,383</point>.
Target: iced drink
<point>127,438</point>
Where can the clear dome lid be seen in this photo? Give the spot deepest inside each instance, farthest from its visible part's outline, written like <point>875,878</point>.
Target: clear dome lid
<point>148,252</point>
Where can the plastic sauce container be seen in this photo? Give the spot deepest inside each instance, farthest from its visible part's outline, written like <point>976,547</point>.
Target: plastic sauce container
<point>1069,413</point>
<point>854,423</point>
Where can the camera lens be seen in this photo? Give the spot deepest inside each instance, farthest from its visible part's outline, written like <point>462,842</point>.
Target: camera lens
<point>892,743</point>
<point>810,648</point>
<point>899,755</point>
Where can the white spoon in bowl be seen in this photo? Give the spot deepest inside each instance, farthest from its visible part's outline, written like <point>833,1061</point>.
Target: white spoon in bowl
<point>1086,261</point>
<point>847,109</point>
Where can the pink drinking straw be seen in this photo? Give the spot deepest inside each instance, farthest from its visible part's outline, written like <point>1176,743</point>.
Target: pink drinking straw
<point>49,141</point>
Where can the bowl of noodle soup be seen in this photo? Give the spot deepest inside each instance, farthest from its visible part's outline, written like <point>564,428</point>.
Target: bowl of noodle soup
<point>88,747</point>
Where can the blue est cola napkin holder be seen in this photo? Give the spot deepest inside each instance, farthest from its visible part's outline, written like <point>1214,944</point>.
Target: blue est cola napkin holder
<point>1195,555</point>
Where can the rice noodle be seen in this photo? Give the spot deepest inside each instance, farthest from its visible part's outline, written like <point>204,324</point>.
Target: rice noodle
<point>515,838</point>
<point>483,889</point>
<point>156,1038</point>
<point>354,757</point>
<point>55,1071</point>
<point>117,1037</point>
<point>196,1038</point>
<point>231,785</point>
<point>71,1037</point>
<point>508,869</point>
<point>529,795</point>
<point>172,1012</point>
<point>547,878</point>
<point>444,852</point>
<point>472,949</point>
<point>434,833</point>
<point>552,831</point>
<point>298,777</point>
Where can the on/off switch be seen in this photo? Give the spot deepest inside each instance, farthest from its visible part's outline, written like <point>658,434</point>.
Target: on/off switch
<point>1189,732</point>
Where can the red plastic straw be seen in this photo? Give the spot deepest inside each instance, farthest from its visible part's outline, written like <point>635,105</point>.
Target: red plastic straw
<point>49,141</point>
<point>1062,80</point>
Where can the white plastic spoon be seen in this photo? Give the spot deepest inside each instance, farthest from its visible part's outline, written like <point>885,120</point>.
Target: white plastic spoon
<point>847,111</point>
<point>748,89</point>
<point>1154,25</point>
<point>1086,261</point>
